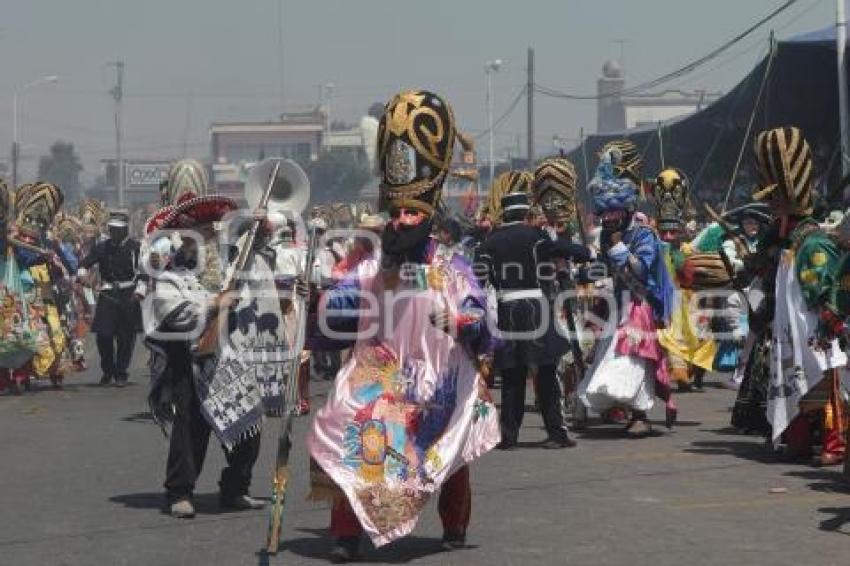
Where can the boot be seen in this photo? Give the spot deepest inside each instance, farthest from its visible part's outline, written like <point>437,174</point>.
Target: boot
<point>453,541</point>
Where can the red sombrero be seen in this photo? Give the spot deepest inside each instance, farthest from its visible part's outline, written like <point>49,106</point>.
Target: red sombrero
<point>155,222</point>
<point>191,211</point>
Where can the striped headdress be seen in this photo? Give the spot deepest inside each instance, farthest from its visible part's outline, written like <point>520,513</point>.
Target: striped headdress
<point>627,160</point>
<point>555,189</point>
<point>186,176</point>
<point>506,183</point>
<point>68,228</point>
<point>38,202</point>
<point>785,167</point>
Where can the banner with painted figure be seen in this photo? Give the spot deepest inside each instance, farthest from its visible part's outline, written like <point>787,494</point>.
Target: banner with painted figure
<point>799,360</point>
<point>408,409</point>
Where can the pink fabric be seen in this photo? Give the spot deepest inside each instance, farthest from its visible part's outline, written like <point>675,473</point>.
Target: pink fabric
<point>407,411</point>
<point>638,336</point>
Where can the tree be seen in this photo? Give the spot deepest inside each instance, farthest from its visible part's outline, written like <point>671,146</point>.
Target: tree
<point>338,175</point>
<point>62,167</point>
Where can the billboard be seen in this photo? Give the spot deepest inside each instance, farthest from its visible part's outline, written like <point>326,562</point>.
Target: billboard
<point>146,174</point>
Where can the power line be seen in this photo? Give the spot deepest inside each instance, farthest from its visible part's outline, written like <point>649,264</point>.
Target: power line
<point>511,107</point>
<point>688,68</point>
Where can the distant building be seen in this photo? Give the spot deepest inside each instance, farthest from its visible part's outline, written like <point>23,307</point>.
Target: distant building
<point>236,146</point>
<point>617,112</point>
<point>142,176</point>
<point>296,136</point>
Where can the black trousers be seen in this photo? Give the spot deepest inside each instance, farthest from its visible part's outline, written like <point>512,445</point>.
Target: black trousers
<point>548,397</point>
<point>190,435</point>
<point>116,351</point>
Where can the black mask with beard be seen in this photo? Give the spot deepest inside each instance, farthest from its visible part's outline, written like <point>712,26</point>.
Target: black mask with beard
<point>615,221</point>
<point>406,242</point>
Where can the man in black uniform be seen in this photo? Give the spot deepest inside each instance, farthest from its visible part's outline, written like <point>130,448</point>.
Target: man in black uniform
<point>117,316</point>
<point>518,257</point>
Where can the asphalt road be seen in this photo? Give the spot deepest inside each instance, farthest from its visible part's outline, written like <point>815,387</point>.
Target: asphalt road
<point>81,472</point>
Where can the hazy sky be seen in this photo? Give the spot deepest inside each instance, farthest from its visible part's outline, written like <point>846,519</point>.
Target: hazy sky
<point>191,62</point>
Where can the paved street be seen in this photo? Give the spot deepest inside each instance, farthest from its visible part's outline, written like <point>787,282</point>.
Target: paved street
<point>82,471</point>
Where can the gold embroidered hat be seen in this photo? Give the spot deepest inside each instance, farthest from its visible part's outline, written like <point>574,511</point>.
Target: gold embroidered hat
<point>671,193</point>
<point>785,165</point>
<point>627,162</point>
<point>506,183</point>
<point>416,137</point>
<point>555,189</point>
<point>36,204</point>
<point>186,176</point>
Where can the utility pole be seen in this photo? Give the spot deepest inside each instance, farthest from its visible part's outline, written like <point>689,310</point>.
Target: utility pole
<point>841,46</point>
<point>529,96</point>
<point>490,68</point>
<point>117,93</point>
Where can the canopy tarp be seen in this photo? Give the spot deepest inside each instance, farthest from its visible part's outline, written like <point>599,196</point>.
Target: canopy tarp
<point>801,90</point>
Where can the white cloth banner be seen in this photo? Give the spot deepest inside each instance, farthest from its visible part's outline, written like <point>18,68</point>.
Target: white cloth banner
<point>797,361</point>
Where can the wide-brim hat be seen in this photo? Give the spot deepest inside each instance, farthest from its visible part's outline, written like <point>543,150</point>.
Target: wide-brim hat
<point>155,222</point>
<point>192,212</point>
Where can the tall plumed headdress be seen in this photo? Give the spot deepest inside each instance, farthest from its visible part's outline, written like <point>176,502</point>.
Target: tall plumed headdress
<point>609,191</point>
<point>785,169</point>
<point>504,184</point>
<point>416,137</point>
<point>671,193</point>
<point>186,176</point>
<point>629,164</point>
<point>36,204</point>
<point>555,189</point>
<point>68,228</point>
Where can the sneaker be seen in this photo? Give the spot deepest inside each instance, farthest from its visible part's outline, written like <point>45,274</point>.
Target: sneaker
<point>121,381</point>
<point>557,443</point>
<point>241,503</point>
<point>182,509</point>
<point>453,542</point>
<point>346,549</point>
<point>105,379</point>
<point>506,445</point>
<point>639,428</point>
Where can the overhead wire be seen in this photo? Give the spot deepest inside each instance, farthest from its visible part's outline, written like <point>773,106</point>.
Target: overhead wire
<point>681,71</point>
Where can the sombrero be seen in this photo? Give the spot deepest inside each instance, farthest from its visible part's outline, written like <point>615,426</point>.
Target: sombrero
<point>192,211</point>
<point>154,223</point>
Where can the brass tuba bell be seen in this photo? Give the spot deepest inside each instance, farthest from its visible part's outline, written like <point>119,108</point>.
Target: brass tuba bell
<point>290,189</point>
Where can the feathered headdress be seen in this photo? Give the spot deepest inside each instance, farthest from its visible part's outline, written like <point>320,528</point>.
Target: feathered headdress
<point>610,192</point>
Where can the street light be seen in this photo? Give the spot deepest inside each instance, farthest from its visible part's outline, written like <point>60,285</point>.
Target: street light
<point>15,145</point>
<point>327,93</point>
<point>489,68</point>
